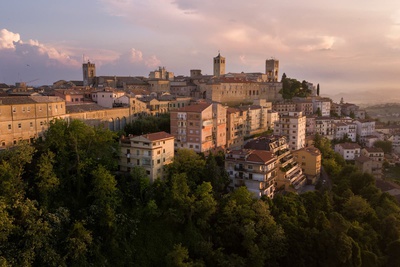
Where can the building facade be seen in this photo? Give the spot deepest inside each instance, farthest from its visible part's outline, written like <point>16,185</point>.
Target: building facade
<point>293,126</point>
<point>150,151</point>
<point>255,169</point>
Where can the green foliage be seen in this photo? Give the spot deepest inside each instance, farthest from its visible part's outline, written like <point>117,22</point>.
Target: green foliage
<point>62,203</point>
<point>293,88</point>
<point>150,124</point>
<point>385,145</point>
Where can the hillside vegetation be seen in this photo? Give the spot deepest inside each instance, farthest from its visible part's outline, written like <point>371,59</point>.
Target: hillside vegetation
<point>63,203</point>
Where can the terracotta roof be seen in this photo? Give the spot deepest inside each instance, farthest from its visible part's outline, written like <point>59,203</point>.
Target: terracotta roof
<point>194,108</point>
<point>14,100</point>
<point>374,149</point>
<point>261,156</point>
<point>158,136</point>
<point>362,159</point>
<point>349,145</point>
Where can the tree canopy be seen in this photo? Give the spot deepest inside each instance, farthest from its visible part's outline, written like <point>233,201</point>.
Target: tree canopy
<point>64,203</point>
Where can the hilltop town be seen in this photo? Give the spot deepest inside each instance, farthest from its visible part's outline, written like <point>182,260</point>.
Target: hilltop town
<point>240,114</point>
<point>229,169</point>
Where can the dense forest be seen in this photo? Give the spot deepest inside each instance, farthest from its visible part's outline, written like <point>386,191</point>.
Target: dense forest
<point>63,203</point>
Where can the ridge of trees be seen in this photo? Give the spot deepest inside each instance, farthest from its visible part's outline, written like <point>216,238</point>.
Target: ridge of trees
<point>63,203</point>
<point>294,88</point>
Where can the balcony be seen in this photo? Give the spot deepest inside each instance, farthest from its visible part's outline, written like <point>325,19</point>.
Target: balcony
<point>239,168</point>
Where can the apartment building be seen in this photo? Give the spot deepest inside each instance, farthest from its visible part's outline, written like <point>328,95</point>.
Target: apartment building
<point>349,151</point>
<point>342,129</point>
<point>27,117</point>
<point>305,106</point>
<point>310,125</point>
<point>235,122</point>
<point>255,119</point>
<point>324,127</point>
<point>255,169</point>
<point>293,126</point>
<point>150,151</point>
<point>284,107</point>
<point>290,175</point>
<point>365,128</point>
<point>309,159</point>
<point>200,127</point>
<point>323,105</point>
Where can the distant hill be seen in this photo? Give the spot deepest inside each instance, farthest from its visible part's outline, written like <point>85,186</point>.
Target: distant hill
<point>367,98</point>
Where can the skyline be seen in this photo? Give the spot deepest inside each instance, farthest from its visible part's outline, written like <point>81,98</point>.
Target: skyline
<point>339,45</point>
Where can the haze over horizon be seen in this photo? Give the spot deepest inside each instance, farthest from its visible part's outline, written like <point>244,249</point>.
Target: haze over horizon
<point>344,46</point>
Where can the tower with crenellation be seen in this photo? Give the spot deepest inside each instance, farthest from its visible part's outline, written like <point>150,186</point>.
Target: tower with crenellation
<point>219,65</point>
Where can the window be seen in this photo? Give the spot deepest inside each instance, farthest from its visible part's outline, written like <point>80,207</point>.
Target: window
<point>128,160</point>
<point>9,127</point>
<point>14,109</point>
<point>19,126</point>
<point>158,161</point>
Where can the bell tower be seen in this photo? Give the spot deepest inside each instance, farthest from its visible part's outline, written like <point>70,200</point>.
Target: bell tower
<point>89,72</point>
<point>272,69</point>
<point>219,65</point>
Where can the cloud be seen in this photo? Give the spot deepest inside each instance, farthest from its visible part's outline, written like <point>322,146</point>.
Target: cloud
<point>8,39</point>
<point>136,55</point>
<point>153,62</point>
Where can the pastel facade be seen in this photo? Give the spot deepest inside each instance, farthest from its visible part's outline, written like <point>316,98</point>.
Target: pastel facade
<point>349,151</point>
<point>200,127</point>
<point>235,122</point>
<point>150,151</point>
<point>255,169</point>
<point>309,159</point>
<point>290,176</point>
<point>106,98</point>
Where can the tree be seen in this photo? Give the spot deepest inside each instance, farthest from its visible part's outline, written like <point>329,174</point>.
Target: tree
<point>385,145</point>
<point>317,89</point>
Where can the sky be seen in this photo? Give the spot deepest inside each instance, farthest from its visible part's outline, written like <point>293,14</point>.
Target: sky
<point>341,45</point>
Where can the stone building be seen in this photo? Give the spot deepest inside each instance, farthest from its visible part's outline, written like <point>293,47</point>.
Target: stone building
<point>27,117</point>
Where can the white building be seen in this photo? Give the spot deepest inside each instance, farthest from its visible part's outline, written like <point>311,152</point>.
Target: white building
<point>324,127</point>
<point>293,126</point>
<point>342,129</point>
<point>349,151</point>
<point>323,105</point>
<point>106,98</point>
<point>365,128</point>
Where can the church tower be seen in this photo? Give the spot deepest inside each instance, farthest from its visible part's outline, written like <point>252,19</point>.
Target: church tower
<point>89,72</point>
<point>219,65</point>
<point>272,69</point>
